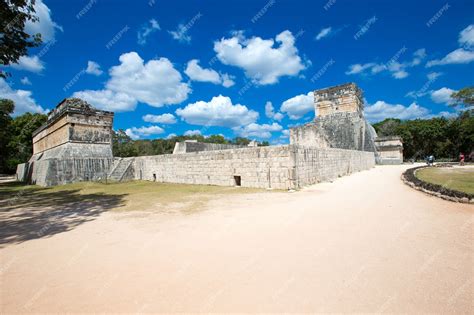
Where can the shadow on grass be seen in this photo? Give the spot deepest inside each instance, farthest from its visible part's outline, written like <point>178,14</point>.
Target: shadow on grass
<point>30,212</point>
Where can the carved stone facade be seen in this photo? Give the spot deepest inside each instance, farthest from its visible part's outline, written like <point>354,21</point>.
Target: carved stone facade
<point>345,98</point>
<point>74,144</point>
<point>339,121</point>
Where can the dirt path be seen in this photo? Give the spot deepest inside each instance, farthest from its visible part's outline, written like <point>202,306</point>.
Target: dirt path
<point>365,243</point>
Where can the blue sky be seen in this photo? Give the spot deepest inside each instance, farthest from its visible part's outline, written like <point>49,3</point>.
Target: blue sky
<point>243,67</point>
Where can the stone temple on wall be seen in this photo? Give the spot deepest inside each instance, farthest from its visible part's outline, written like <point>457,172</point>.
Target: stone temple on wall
<point>75,144</point>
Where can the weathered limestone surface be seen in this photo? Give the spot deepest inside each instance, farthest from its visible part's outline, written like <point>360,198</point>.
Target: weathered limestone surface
<point>74,145</point>
<point>194,146</point>
<point>279,167</point>
<point>313,165</point>
<point>342,130</point>
<point>390,150</point>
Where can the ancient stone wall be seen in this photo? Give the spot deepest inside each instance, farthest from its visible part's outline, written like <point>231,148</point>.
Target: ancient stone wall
<point>279,167</point>
<point>314,165</point>
<point>194,146</point>
<point>262,167</point>
<point>344,130</point>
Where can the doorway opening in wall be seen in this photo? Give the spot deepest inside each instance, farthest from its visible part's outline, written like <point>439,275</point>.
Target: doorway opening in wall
<point>237,180</point>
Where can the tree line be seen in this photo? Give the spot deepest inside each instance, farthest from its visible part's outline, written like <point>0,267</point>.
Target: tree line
<point>124,146</point>
<point>442,137</point>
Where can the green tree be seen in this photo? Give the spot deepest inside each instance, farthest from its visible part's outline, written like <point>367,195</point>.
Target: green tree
<point>13,38</point>
<point>20,146</point>
<point>122,144</point>
<point>6,108</point>
<point>464,96</point>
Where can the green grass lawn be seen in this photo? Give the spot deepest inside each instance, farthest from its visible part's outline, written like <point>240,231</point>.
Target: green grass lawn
<point>134,195</point>
<point>456,178</point>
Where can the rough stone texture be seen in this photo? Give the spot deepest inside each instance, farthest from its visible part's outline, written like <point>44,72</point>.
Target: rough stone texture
<point>336,99</point>
<point>342,130</point>
<point>314,165</point>
<point>194,146</point>
<point>390,150</point>
<point>279,167</point>
<point>73,120</point>
<point>75,144</point>
<point>21,172</point>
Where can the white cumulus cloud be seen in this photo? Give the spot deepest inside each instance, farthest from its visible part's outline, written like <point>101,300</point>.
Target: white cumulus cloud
<point>108,100</point>
<point>458,56</point>
<point>192,133</point>
<point>462,55</point>
<point>443,96</point>
<point>142,132</point>
<point>93,68</point>
<point>219,111</point>
<point>23,99</point>
<point>160,119</point>
<point>45,24</point>
<point>196,73</point>
<point>253,130</point>
<point>156,83</point>
<point>466,37</point>
<point>381,110</point>
<point>31,64</point>
<point>270,112</point>
<point>298,106</point>
<point>263,60</point>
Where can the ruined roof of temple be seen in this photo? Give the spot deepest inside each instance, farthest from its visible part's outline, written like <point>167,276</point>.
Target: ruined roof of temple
<point>75,105</point>
<point>337,90</point>
<point>71,105</point>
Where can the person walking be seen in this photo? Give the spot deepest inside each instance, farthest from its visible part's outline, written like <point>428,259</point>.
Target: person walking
<point>461,159</point>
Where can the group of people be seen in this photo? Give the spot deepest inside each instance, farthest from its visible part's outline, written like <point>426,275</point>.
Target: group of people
<point>431,159</point>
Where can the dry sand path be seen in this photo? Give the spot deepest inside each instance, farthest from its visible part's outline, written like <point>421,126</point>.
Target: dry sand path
<point>365,243</point>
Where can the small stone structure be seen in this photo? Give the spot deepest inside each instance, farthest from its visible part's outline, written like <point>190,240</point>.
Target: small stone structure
<point>75,145</point>
<point>389,149</point>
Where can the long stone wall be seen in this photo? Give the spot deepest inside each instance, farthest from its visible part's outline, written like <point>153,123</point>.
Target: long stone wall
<point>279,167</point>
<point>262,167</point>
<point>314,165</point>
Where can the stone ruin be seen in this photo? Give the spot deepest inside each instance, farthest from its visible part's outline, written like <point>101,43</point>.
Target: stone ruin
<point>75,145</point>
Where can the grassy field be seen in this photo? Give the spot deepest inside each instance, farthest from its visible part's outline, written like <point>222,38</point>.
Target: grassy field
<point>456,178</point>
<point>135,195</point>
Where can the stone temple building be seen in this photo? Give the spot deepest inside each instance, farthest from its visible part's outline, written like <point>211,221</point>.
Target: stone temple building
<point>75,145</point>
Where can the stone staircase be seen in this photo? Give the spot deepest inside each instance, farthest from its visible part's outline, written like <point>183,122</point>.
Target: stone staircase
<point>119,169</point>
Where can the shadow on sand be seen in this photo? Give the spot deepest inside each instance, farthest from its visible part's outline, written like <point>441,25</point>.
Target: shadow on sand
<point>28,213</point>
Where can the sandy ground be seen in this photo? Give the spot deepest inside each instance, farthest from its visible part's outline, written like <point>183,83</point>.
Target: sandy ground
<point>365,243</point>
